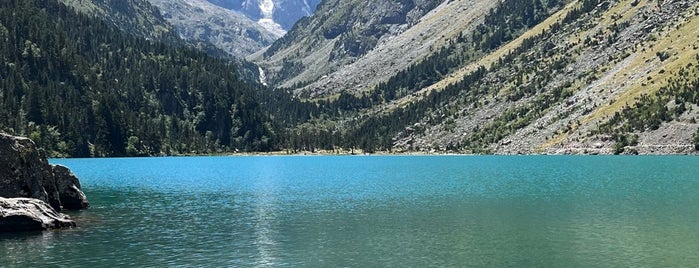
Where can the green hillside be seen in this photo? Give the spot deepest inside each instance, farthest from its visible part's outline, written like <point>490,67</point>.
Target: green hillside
<point>82,87</point>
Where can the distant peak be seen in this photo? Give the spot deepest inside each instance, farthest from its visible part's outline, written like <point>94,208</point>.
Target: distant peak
<point>267,19</point>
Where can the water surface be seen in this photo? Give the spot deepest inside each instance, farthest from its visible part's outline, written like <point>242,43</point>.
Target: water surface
<point>376,211</point>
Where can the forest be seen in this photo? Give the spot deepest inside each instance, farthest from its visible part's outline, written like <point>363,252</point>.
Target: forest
<point>81,87</point>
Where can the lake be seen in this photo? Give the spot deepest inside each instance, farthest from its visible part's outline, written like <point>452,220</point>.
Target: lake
<point>376,211</point>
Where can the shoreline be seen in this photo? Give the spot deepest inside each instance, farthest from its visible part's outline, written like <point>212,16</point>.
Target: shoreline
<point>383,153</point>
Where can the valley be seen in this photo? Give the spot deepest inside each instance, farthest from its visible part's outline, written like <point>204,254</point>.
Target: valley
<point>409,76</point>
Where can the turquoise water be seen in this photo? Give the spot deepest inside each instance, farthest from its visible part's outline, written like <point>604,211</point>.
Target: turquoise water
<point>376,211</point>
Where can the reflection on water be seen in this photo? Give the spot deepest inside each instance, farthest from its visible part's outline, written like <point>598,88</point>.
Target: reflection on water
<point>34,243</point>
<point>265,218</point>
<point>376,212</point>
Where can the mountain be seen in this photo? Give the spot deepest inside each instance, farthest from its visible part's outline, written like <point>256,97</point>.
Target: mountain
<point>218,32</point>
<point>506,77</point>
<point>278,16</point>
<point>592,77</point>
<point>79,86</point>
<point>201,21</point>
<point>240,28</point>
<point>458,76</point>
<point>339,33</point>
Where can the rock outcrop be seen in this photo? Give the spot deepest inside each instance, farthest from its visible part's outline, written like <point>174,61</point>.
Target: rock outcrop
<point>70,192</point>
<point>25,172</point>
<point>28,214</point>
<point>199,20</point>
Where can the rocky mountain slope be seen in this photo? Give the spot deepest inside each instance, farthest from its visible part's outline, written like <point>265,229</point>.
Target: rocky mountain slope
<point>240,28</point>
<point>277,15</point>
<point>338,34</point>
<point>230,31</point>
<point>508,77</point>
<point>574,84</point>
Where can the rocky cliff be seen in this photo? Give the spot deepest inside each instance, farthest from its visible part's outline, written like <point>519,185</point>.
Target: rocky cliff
<point>32,192</point>
<point>24,172</point>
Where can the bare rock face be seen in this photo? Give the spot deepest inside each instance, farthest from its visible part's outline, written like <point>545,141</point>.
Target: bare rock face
<point>28,214</point>
<point>282,12</point>
<point>25,172</point>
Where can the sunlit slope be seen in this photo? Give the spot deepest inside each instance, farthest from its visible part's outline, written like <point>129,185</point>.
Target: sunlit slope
<point>552,89</point>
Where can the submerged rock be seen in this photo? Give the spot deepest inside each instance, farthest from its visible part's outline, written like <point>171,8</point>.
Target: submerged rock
<point>29,214</point>
<point>25,172</point>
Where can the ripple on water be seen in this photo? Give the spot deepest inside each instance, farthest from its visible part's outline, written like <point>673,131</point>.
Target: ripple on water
<point>455,211</point>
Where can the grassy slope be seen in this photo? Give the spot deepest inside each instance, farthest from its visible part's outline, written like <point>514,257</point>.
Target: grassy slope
<point>640,73</point>
<point>491,58</point>
<point>619,82</point>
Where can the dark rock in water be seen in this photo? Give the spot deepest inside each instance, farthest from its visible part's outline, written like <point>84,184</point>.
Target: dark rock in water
<point>69,189</point>
<point>21,170</point>
<point>25,172</point>
<point>28,214</point>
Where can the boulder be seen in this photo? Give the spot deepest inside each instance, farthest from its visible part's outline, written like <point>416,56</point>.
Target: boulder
<point>25,172</point>
<point>29,214</point>
<point>69,189</point>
